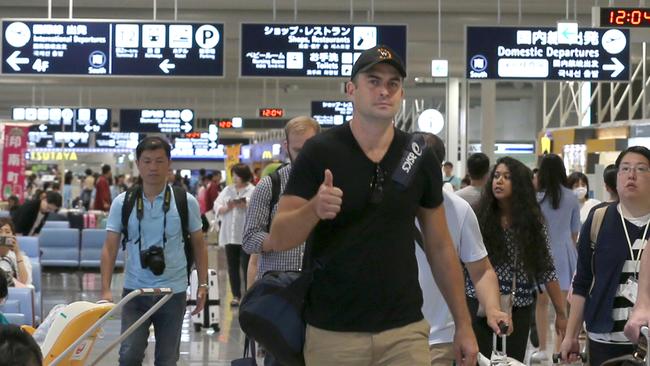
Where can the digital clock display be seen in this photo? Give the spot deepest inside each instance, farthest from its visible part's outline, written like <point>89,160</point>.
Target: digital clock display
<point>625,17</point>
<point>271,112</point>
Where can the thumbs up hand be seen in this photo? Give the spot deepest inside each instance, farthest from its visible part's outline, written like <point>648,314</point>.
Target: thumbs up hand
<point>328,200</point>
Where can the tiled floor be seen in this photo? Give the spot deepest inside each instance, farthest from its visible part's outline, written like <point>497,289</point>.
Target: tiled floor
<point>197,348</point>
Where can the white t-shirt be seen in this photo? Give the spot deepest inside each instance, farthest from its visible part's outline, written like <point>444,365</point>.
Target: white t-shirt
<point>466,235</point>
<point>586,207</point>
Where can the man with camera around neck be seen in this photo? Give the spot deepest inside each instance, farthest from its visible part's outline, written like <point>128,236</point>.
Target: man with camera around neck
<point>155,256</point>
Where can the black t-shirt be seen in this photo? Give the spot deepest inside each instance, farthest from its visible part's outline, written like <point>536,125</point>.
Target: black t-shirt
<point>371,285</point>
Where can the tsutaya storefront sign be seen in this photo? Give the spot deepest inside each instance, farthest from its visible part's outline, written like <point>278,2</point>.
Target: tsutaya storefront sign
<point>598,54</point>
<point>53,156</point>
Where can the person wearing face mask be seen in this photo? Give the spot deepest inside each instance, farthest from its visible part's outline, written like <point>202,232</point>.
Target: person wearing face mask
<point>579,183</point>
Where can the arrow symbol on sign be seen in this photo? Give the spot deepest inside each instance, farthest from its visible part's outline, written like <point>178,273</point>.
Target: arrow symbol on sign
<point>13,60</point>
<point>165,66</point>
<point>617,67</point>
<point>186,127</point>
<point>567,34</point>
<point>42,127</point>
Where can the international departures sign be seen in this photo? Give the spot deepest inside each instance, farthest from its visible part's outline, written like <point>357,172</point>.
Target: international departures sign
<point>88,47</point>
<point>598,54</point>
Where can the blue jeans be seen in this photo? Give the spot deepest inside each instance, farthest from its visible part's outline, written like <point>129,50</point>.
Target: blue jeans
<point>167,323</point>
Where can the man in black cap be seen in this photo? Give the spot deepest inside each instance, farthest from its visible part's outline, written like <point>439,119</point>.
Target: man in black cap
<point>353,194</point>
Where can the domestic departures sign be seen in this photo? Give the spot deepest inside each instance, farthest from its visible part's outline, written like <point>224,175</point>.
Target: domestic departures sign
<point>598,54</point>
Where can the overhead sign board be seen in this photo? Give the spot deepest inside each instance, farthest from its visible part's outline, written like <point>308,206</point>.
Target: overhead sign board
<point>331,113</point>
<point>64,118</point>
<point>89,47</point>
<point>157,120</point>
<point>314,50</point>
<point>625,17</point>
<point>198,145</point>
<point>58,139</point>
<point>118,140</point>
<point>598,54</point>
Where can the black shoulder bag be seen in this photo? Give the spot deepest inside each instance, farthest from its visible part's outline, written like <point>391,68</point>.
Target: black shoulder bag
<point>271,312</point>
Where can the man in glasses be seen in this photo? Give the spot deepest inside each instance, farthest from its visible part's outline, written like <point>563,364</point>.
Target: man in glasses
<point>348,194</point>
<point>606,286</point>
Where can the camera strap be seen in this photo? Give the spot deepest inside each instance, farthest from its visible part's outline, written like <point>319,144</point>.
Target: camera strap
<point>139,209</point>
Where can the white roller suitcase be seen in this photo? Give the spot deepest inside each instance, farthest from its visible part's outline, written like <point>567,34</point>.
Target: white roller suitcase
<point>209,316</point>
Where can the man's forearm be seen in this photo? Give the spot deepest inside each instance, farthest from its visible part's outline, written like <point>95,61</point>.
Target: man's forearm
<point>200,256</point>
<point>291,228</point>
<point>485,282</point>
<point>574,325</point>
<point>448,274</point>
<point>106,267</point>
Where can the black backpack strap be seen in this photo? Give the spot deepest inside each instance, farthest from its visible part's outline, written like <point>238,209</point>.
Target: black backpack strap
<point>127,208</point>
<point>419,238</point>
<point>275,196</point>
<point>180,197</point>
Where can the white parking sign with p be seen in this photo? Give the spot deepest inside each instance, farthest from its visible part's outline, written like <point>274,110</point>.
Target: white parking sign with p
<point>207,36</point>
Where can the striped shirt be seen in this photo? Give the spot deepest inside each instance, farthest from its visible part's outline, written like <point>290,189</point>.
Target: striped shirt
<point>622,306</point>
<point>256,226</point>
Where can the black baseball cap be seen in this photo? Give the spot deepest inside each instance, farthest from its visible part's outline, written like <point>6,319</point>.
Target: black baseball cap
<point>376,55</point>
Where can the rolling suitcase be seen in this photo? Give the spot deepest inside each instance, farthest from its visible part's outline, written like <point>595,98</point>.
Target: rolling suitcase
<point>498,357</point>
<point>209,316</point>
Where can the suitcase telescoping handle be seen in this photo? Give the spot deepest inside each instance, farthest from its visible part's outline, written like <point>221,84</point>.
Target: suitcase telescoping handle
<point>557,357</point>
<point>503,333</point>
<point>503,328</point>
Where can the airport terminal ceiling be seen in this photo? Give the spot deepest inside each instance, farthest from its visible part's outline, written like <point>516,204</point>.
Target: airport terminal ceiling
<point>233,95</point>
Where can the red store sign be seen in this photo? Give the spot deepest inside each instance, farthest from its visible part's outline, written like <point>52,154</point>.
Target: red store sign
<point>13,161</point>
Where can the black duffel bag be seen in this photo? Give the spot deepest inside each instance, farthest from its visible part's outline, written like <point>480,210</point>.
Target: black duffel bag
<point>271,313</point>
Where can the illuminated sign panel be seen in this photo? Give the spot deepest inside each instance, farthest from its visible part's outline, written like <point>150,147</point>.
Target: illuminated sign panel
<point>625,17</point>
<point>118,140</point>
<point>314,50</point>
<point>60,118</point>
<point>534,53</point>
<point>67,47</point>
<point>58,139</point>
<point>331,113</point>
<point>157,120</point>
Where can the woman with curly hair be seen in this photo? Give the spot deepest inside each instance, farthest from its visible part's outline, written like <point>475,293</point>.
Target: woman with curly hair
<point>515,237</point>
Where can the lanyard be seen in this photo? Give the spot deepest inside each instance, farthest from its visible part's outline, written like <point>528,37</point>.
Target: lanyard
<point>629,244</point>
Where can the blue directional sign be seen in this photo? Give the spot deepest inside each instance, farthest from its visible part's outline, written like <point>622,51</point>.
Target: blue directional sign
<point>62,47</point>
<point>331,113</point>
<point>157,120</point>
<point>50,119</point>
<point>593,54</point>
<point>314,50</point>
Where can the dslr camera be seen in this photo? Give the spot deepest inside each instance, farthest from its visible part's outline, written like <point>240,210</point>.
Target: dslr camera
<point>154,259</point>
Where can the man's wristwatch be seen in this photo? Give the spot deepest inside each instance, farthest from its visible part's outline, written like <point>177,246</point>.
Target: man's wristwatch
<point>204,285</point>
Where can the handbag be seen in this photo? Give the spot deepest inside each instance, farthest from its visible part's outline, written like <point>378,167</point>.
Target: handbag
<point>506,301</point>
<point>246,360</point>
